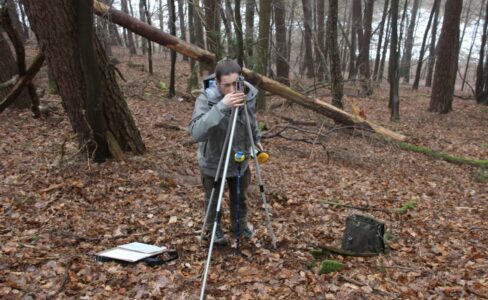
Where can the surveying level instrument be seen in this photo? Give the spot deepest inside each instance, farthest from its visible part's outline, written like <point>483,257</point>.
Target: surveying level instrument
<point>229,138</point>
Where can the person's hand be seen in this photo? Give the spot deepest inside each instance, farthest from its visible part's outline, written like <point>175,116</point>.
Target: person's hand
<point>232,100</point>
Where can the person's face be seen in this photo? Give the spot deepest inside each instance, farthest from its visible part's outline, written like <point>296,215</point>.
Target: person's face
<point>227,83</point>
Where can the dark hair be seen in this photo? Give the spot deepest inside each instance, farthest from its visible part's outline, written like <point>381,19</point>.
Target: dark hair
<point>226,67</point>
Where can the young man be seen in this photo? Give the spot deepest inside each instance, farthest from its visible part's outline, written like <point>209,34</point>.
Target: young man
<point>209,127</point>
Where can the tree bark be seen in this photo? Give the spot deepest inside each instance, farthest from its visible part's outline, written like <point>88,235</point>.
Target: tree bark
<point>249,36</point>
<point>282,66</point>
<point>320,49</point>
<point>263,43</point>
<point>239,35</point>
<point>481,87</point>
<point>308,62</point>
<point>363,59</point>
<point>181,15</point>
<point>25,28</point>
<point>193,79</point>
<point>447,52</point>
<point>61,46</point>
<point>432,49</point>
<point>149,46</point>
<point>212,20</point>
<point>393,64</point>
<point>172,28</point>
<point>407,54</point>
<point>334,57</point>
<point>416,81</point>
<point>142,17</point>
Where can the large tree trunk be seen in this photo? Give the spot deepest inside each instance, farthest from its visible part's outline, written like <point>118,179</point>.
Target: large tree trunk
<point>447,55</point>
<point>407,54</point>
<point>282,66</point>
<point>416,81</point>
<point>61,46</point>
<point>307,23</point>
<point>432,49</point>
<point>262,65</point>
<point>258,80</point>
<point>393,64</point>
<point>335,60</point>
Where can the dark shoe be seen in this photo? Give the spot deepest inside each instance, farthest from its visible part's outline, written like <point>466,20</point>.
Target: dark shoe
<point>220,239</point>
<point>246,232</point>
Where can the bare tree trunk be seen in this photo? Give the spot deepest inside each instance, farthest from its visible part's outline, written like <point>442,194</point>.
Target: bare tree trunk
<point>142,17</point>
<point>172,28</point>
<point>481,86</point>
<point>62,46</point>
<point>416,81</point>
<point>282,66</point>
<point>263,43</point>
<point>432,49</point>
<point>193,79</point>
<point>14,17</point>
<point>346,44</point>
<point>363,59</point>
<point>307,23</point>
<point>224,15</point>
<point>212,20</point>
<point>407,54</point>
<point>334,57</point>
<point>249,36</point>
<point>199,26</point>
<point>385,48</point>
<point>239,35</point>
<point>290,30</point>
<point>356,30</point>
<point>181,14</point>
<point>445,70</point>
<point>393,64</point>
<point>320,39</point>
<point>130,39</point>
<point>149,46</point>
<point>473,39</point>
<point>380,40</point>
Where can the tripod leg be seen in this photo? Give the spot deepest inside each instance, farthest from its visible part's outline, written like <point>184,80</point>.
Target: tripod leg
<point>219,201</point>
<point>216,179</point>
<point>260,181</point>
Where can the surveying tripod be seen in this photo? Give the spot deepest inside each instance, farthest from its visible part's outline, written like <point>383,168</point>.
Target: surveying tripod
<point>229,138</point>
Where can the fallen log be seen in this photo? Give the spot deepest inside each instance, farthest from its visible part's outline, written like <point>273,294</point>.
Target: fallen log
<point>22,82</point>
<point>261,81</point>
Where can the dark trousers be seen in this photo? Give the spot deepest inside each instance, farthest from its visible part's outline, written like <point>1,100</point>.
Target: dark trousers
<point>208,183</point>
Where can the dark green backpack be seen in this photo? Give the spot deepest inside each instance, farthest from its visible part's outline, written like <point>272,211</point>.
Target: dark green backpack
<point>363,235</point>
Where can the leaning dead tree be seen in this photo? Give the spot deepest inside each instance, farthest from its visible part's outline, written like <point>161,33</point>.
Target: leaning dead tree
<point>259,80</point>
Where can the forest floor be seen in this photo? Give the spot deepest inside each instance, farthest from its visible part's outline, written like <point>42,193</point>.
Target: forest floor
<point>58,209</point>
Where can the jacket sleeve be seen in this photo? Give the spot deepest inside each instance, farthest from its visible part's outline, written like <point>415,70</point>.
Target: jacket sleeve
<point>206,119</point>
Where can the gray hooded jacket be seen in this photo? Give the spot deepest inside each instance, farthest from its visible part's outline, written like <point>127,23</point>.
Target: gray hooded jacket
<point>208,126</point>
